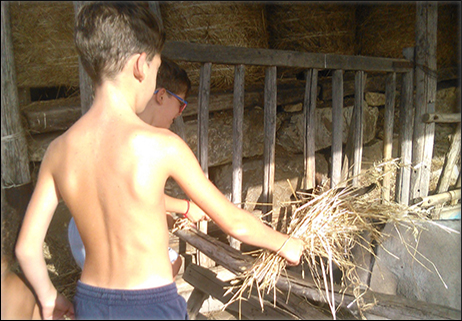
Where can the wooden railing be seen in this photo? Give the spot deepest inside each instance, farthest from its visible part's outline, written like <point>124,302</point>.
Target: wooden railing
<point>312,62</point>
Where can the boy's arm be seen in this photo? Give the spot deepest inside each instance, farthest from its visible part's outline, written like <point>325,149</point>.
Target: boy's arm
<point>29,247</point>
<point>238,223</point>
<point>193,212</point>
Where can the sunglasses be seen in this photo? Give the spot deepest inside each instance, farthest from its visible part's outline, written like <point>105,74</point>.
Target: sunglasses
<point>183,102</point>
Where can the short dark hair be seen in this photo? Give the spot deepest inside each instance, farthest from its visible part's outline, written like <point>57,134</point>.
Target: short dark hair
<point>107,34</point>
<point>173,77</point>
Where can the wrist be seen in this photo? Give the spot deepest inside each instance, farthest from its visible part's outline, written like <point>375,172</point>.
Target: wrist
<point>185,214</point>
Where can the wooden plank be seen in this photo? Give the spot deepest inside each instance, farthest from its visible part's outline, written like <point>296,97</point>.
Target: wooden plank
<point>203,139</point>
<point>388,132</point>
<point>309,109</point>
<point>208,282</point>
<point>270,141</point>
<point>439,198</point>
<point>450,162</point>
<point>195,301</point>
<point>238,121</point>
<point>85,82</point>
<point>426,76</point>
<point>337,128</point>
<point>185,51</point>
<point>15,159</point>
<point>441,118</point>
<point>358,114</point>
<point>403,178</point>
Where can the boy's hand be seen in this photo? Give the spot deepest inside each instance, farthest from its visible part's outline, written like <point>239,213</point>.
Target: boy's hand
<point>58,308</point>
<point>292,250</point>
<point>196,214</point>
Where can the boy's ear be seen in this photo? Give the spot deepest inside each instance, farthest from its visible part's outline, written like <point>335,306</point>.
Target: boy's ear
<point>139,66</point>
<point>160,96</point>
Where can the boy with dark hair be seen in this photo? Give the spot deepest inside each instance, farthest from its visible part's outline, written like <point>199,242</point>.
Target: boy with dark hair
<point>110,168</point>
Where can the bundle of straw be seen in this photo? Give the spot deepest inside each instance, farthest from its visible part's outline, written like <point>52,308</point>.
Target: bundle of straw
<point>331,223</point>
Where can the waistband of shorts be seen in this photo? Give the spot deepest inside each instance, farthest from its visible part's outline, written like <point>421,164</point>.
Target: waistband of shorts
<point>160,294</point>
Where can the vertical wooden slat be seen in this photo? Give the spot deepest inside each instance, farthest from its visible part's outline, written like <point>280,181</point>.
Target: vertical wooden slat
<point>390,88</point>
<point>270,140</point>
<point>238,120</point>
<point>358,126</point>
<point>203,141</point>
<point>450,161</point>
<point>85,82</point>
<point>15,158</point>
<point>337,127</point>
<point>425,74</point>
<point>406,121</point>
<point>309,108</point>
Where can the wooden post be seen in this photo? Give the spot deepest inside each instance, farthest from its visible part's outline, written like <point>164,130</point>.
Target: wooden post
<point>449,162</point>
<point>85,84</point>
<point>203,140</point>
<point>403,177</point>
<point>337,127</point>
<point>270,140</point>
<point>390,88</point>
<point>309,108</point>
<point>358,126</point>
<point>15,158</point>
<point>426,77</point>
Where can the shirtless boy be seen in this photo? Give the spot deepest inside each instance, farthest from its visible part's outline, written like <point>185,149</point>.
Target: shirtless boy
<point>167,103</point>
<point>110,168</point>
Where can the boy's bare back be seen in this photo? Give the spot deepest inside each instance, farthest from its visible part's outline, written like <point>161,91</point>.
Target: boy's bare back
<point>120,212</point>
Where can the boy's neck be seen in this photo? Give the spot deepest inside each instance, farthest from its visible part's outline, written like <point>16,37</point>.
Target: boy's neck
<point>110,97</point>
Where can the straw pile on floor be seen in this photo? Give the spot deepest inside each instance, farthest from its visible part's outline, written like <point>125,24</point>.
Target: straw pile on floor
<point>331,223</point>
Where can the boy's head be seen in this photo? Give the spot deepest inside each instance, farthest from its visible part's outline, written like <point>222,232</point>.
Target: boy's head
<point>107,34</point>
<point>173,78</point>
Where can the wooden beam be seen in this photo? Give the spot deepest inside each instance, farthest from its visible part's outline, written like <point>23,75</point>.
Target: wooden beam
<point>403,177</point>
<point>309,109</point>
<point>450,162</point>
<point>426,76</point>
<point>185,51</point>
<point>440,198</point>
<point>441,118</point>
<point>238,121</point>
<point>85,82</point>
<point>337,128</point>
<point>270,141</point>
<point>15,159</point>
<point>357,123</point>
<point>388,132</point>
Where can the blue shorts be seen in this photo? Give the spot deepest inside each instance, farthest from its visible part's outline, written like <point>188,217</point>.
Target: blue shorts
<point>163,303</point>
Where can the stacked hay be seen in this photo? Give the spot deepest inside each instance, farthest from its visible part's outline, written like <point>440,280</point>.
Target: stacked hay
<point>312,27</point>
<point>44,51</point>
<point>239,24</point>
<point>384,30</point>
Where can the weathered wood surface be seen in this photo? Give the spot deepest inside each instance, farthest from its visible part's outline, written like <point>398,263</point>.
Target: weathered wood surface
<point>403,177</point>
<point>185,51</point>
<point>15,159</point>
<point>388,131</point>
<point>337,128</point>
<point>388,306</point>
<point>450,162</point>
<point>309,109</point>
<point>357,123</point>
<point>85,82</point>
<point>441,118</point>
<point>206,281</point>
<point>425,97</point>
<point>269,148</point>
<point>440,198</point>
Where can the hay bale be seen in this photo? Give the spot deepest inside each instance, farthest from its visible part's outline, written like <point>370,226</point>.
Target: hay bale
<point>44,51</point>
<point>384,30</point>
<point>219,23</point>
<point>312,27</point>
